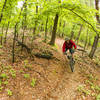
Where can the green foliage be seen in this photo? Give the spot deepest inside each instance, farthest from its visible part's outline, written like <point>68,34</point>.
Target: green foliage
<point>13,73</point>
<point>98,97</point>
<point>1,34</point>
<point>83,90</point>
<point>1,46</point>
<point>21,71</point>
<point>8,67</point>
<point>26,75</point>
<point>89,82</point>
<point>91,78</point>
<point>70,12</point>
<point>55,47</point>
<point>97,60</point>
<point>9,92</point>
<point>97,88</point>
<point>5,82</point>
<point>0,82</point>
<point>80,87</point>
<point>25,63</point>
<point>3,75</point>
<point>33,82</point>
<point>55,71</point>
<point>1,88</point>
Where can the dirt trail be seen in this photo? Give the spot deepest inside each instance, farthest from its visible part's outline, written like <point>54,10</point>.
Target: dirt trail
<point>55,81</point>
<point>67,87</point>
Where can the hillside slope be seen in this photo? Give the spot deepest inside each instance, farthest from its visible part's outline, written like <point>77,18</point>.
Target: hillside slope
<point>47,79</point>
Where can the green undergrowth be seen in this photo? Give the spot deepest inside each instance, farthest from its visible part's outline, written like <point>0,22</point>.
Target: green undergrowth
<point>8,73</point>
<point>97,61</point>
<point>90,87</point>
<point>55,47</point>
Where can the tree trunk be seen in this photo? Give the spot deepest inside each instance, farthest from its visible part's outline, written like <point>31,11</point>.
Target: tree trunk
<point>95,43</point>
<point>51,28</point>
<point>94,47</point>
<point>46,29</point>
<point>34,30</point>
<point>78,36</point>
<point>97,8</point>
<point>41,28</point>
<point>24,23</point>
<point>59,30</point>
<point>63,29</point>
<point>52,42</point>
<point>6,32</point>
<point>72,32</point>
<point>14,38</point>
<point>85,41</point>
<point>2,34</point>
<point>23,39</point>
<point>2,10</point>
<point>72,35</point>
<point>89,43</point>
<point>13,47</point>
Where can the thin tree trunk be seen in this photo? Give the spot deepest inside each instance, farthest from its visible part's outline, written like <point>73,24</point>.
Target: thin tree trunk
<point>41,29</point>
<point>89,43</point>
<point>72,32</point>
<point>52,42</point>
<point>34,30</point>
<point>63,29</point>
<point>53,37</point>
<point>2,10</point>
<point>6,32</point>
<point>85,41</point>
<point>51,28</point>
<point>46,29</point>
<point>24,24</point>
<point>96,39</point>
<point>2,34</point>
<point>94,47</point>
<point>97,8</point>
<point>78,36</point>
<point>13,47</point>
<point>17,35</point>
<point>23,39</point>
<point>59,31</point>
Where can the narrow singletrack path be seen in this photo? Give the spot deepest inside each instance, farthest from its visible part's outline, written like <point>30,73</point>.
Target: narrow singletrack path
<point>67,87</point>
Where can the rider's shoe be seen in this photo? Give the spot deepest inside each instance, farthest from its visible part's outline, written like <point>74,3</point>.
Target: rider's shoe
<point>68,57</point>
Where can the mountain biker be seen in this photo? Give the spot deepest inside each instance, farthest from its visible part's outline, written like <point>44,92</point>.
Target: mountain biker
<point>68,45</point>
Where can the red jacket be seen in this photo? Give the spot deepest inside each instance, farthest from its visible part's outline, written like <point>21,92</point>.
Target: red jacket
<point>68,45</point>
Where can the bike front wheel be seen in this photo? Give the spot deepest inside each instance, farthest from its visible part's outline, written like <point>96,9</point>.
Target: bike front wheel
<point>72,65</point>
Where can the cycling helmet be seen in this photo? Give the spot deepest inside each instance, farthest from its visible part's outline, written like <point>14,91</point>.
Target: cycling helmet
<point>66,39</point>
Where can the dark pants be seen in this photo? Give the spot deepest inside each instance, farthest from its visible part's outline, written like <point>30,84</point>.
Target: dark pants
<point>71,50</point>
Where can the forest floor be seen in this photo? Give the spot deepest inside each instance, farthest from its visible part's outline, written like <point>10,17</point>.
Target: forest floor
<point>47,79</point>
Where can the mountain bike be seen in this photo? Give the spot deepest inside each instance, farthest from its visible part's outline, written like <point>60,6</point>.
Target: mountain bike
<point>71,62</point>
